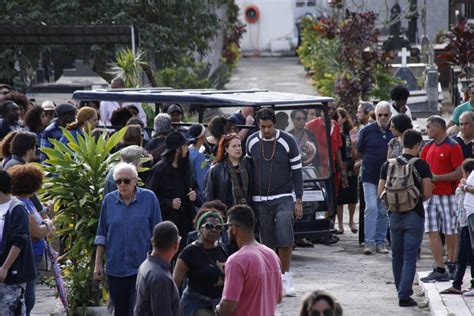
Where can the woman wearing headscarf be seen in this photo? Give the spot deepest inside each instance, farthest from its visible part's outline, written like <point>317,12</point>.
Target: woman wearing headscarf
<point>202,262</point>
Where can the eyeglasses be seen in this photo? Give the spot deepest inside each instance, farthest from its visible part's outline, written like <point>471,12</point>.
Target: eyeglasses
<point>383,115</point>
<point>217,227</point>
<point>124,180</point>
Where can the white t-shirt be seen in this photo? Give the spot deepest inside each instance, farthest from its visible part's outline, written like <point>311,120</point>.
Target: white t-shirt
<point>3,212</point>
<point>395,112</point>
<point>108,107</point>
<point>469,198</point>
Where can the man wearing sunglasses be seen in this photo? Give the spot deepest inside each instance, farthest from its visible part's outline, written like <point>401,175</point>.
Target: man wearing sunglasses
<point>372,146</point>
<point>126,223</point>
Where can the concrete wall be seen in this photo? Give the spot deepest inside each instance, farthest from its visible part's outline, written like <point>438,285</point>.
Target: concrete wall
<point>277,24</point>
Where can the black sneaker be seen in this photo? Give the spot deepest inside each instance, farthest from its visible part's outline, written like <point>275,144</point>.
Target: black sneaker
<point>451,270</point>
<point>435,276</point>
<point>407,302</point>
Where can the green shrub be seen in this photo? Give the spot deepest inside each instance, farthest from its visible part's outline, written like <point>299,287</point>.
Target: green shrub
<point>76,176</point>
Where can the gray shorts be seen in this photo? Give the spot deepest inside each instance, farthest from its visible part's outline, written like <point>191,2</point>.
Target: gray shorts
<point>12,300</point>
<point>276,222</point>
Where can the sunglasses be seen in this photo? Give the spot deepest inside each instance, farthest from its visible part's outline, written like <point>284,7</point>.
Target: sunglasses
<point>123,180</point>
<point>230,136</point>
<point>383,115</point>
<point>217,227</point>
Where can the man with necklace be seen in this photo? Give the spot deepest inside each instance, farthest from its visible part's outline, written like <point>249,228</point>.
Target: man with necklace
<point>277,171</point>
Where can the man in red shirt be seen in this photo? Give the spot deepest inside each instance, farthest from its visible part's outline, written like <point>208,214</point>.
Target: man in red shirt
<point>253,284</point>
<point>318,127</point>
<point>444,156</point>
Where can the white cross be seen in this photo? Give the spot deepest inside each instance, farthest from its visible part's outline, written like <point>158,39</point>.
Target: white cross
<point>404,54</point>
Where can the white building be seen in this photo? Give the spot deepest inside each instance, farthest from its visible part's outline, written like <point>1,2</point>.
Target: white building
<point>271,24</point>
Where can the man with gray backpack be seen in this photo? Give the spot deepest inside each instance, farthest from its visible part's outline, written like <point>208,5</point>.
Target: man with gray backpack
<point>405,182</point>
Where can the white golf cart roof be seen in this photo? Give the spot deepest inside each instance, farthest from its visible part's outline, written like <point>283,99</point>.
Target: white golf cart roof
<point>208,98</point>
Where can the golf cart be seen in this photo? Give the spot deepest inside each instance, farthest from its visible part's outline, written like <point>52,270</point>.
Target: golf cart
<point>319,202</point>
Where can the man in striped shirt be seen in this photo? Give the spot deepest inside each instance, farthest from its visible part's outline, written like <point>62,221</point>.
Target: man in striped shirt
<point>277,171</point>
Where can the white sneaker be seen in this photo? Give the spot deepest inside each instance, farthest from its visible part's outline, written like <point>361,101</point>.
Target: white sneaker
<point>469,293</point>
<point>287,281</point>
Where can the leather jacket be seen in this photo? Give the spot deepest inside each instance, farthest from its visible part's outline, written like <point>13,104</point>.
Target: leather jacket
<point>218,184</point>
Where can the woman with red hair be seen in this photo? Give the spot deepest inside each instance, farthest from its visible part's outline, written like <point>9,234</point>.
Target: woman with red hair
<point>228,179</point>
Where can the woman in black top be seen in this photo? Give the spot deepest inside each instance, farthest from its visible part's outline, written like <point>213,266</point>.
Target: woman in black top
<point>228,180</point>
<point>203,263</point>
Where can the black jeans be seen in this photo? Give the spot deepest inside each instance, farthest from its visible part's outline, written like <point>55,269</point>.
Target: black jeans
<point>465,256</point>
<point>122,293</point>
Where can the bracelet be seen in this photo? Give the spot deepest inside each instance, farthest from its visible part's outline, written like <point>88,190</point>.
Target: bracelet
<point>47,226</point>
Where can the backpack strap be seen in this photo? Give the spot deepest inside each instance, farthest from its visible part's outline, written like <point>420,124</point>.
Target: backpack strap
<point>411,162</point>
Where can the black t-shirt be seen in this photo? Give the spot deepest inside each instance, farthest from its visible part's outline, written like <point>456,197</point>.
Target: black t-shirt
<point>206,268</point>
<point>423,170</point>
<point>467,149</point>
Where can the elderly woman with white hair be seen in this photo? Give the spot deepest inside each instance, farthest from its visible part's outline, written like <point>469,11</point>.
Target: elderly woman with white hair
<point>372,147</point>
<point>162,128</point>
<point>125,228</point>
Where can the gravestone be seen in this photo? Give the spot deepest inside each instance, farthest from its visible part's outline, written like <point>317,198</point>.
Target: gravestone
<point>404,73</point>
<point>431,87</point>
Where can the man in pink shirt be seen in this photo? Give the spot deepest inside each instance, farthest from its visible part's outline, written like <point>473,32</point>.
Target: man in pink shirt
<point>252,283</point>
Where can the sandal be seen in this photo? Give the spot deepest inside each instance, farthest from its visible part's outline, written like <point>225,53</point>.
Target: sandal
<point>354,229</point>
<point>304,243</point>
<point>451,290</point>
<point>339,232</point>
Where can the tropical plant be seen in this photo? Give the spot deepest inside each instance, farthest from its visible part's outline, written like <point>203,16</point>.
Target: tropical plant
<point>75,184</point>
<point>129,65</point>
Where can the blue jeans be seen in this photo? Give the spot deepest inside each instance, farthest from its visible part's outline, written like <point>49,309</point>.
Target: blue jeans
<point>406,230</point>
<point>192,301</point>
<point>30,291</point>
<point>375,216</point>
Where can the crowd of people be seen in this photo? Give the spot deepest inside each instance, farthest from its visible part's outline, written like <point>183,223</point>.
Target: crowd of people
<point>211,229</point>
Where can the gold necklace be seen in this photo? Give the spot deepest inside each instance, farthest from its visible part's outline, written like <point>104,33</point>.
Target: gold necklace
<point>262,150</point>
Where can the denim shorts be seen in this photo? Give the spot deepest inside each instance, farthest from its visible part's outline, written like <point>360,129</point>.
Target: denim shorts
<point>276,222</point>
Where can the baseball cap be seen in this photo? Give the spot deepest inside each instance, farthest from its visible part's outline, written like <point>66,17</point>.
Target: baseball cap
<point>48,105</point>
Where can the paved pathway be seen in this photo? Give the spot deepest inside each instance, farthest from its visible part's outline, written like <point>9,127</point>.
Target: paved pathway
<point>363,284</point>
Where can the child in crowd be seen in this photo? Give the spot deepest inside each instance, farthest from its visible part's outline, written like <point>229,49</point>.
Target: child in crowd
<point>465,201</point>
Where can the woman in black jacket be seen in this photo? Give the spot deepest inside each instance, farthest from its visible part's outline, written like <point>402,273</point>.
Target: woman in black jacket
<point>229,179</point>
<point>16,255</point>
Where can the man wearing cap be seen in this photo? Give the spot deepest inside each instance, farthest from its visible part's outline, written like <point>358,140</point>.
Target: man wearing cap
<point>48,108</point>
<point>174,186</point>
<point>10,120</point>
<point>66,114</point>
<point>108,107</point>
<point>130,154</point>
<point>175,111</point>
<point>197,159</point>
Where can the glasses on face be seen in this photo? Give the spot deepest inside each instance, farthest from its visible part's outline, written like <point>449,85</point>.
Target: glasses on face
<point>383,115</point>
<point>326,312</point>
<point>123,180</point>
<point>217,227</point>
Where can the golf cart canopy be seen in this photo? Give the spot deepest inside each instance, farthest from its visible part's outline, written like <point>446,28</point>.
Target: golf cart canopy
<point>208,98</point>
